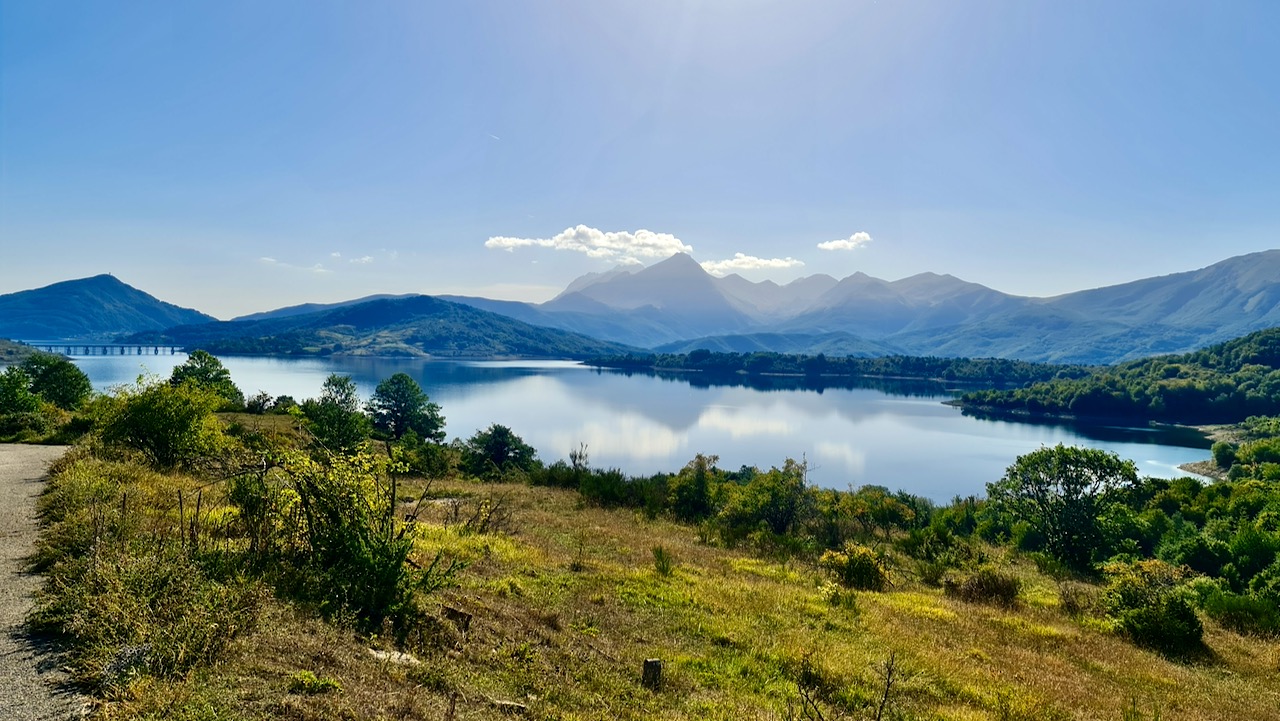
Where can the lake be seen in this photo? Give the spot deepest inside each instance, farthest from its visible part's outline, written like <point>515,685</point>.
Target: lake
<point>853,433</point>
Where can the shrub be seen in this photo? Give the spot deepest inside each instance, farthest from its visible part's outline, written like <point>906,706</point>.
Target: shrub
<point>357,554</point>
<point>1224,454</point>
<point>856,566</point>
<point>169,425</point>
<point>1243,614</point>
<point>1077,599</point>
<point>986,585</point>
<point>1145,602</point>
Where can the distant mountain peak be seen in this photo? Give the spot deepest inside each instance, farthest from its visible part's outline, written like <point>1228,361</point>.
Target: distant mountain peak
<point>99,306</point>
<point>678,262</point>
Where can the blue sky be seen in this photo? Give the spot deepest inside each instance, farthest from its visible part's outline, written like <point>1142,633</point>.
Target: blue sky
<point>237,156</point>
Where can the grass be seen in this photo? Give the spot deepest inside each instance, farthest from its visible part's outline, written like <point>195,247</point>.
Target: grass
<point>567,604</point>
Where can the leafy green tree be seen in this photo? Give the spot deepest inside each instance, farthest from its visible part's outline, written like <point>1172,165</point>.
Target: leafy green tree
<point>204,370</point>
<point>490,452</point>
<point>171,425</point>
<point>691,488</point>
<point>1059,491</point>
<point>57,380</point>
<point>335,418</point>
<point>15,392</point>
<point>399,405</point>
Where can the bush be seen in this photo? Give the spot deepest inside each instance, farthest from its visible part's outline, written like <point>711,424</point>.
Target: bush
<point>986,585</point>
<point>1077,599</point>
<point>1224,454</point>
<point>856,566</point>
<point>169,425</point>
<point>1243,614</point>
<point>1145,601</point>
<point>357,551</point>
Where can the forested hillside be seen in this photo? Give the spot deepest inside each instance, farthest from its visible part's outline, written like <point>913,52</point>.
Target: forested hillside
<point>1220,384</point>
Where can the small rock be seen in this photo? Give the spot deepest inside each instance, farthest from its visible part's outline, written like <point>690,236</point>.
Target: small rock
<point>396,657</point>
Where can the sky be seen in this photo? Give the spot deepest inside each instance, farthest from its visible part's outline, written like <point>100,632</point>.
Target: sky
<point>236,156</point>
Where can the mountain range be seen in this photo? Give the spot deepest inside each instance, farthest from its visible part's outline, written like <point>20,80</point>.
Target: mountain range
<point>676,306</point>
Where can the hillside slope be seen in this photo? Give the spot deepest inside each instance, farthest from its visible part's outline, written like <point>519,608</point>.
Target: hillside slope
<point>89,308</point>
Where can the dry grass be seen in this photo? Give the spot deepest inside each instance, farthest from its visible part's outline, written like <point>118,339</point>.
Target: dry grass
<point>567,606</point>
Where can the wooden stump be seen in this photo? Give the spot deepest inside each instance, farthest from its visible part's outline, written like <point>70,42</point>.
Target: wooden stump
<point>652,678</point>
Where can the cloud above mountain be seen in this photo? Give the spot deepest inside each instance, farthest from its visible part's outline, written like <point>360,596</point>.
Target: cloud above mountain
<point>857,240</point>
<point>624,246</point>
<point>741,261</point>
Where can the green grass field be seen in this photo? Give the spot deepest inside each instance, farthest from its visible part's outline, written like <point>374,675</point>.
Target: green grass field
<point>566,602</point>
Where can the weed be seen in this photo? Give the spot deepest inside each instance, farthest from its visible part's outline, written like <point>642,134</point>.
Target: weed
<point>1133,713</point>
<point>663,562</point>
<point>309,684</point>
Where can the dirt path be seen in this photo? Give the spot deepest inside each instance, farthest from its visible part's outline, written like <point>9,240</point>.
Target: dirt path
<point>28,681</point>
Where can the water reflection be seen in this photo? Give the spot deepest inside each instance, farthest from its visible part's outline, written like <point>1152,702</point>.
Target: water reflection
<point>852,431</point>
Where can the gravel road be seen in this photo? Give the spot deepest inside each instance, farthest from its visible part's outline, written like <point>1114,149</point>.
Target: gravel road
<point>29,689</point>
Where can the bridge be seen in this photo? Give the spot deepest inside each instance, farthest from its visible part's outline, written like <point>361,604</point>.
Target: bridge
<point>81,348</point>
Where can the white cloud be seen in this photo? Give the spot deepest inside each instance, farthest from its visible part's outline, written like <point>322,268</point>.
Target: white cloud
<point>317,268</point>
<point>621,246</point>
<point>857,240</point>
<point>740,261</point>
<point>335,254</point>
<point>363,260</point>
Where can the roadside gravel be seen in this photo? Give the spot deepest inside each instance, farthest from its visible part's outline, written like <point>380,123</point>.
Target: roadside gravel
<point>30,687</point>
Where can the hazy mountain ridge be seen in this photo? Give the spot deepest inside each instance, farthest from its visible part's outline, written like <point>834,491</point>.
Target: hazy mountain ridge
<point>413,326</point>
<point>675,305</point>
<point>94,308</point>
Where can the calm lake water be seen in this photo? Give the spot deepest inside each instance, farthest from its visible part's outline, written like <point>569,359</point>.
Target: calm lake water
<point>895,435</point>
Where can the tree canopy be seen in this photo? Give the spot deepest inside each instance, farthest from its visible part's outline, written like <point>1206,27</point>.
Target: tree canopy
<point>399,405</point>
<point>57,380</point>
<point>496,449</point>
<point>1057,490</point>
<point>335,418</point>
<point>204,370</point>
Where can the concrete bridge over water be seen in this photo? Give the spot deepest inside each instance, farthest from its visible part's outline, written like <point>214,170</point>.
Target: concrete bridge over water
<point>84,348</point>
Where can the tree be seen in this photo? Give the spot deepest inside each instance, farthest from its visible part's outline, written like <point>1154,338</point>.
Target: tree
<point>335,418</point>
<point>15,392</point>
<point>57,380</point>
<point>1058,491</point>
<point>204,370</point>
<point>490,452</point>
<point>691,488</point>
<point>398,405</point>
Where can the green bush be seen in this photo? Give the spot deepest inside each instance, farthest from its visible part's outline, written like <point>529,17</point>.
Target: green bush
<point>1243,614</point>
<point>1145,601</point>
<point>856,566</point>
<point>986,585</point>
<point>169,425</point>
<point>356,551</point>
